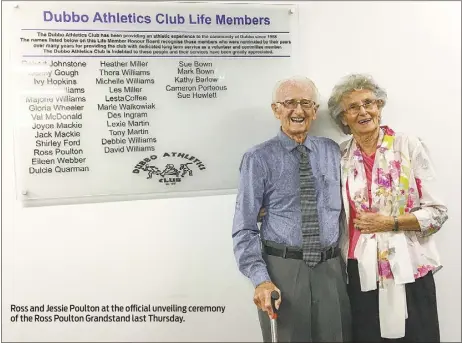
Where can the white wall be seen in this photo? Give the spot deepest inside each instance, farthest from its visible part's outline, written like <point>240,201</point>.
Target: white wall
<point>180,250</point>
<point>413,50</point>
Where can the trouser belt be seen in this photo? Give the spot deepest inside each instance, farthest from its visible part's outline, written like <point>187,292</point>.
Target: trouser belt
<point>297,254</point>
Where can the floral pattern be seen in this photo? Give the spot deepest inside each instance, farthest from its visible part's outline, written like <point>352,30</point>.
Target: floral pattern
<point>423,270</point>
<point>383,179</point>
<point>432,229</point>
<point>419,186</point>
<point>400,165</point>
<point>384,268</point>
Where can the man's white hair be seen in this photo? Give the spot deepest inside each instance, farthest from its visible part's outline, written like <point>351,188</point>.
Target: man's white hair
<point>296,80</point>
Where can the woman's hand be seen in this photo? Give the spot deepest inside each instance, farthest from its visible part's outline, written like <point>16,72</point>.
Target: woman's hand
<point>368,222</point>
<point>261,214</point>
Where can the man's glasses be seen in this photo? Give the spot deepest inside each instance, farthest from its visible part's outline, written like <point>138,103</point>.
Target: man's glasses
<point>368,104</point>
<point>292,104</point>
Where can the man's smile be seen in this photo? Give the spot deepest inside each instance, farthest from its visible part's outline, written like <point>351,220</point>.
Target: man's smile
<point>297,119</point>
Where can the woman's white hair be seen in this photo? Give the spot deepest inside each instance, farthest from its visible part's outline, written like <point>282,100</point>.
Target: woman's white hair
<point>347,85</point>
<point>298,80</point>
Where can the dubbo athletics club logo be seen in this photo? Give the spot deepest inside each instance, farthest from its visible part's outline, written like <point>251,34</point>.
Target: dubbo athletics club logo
<point>170,168</point>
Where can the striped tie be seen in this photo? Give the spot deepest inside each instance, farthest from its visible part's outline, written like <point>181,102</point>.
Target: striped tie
<point>310,226</point>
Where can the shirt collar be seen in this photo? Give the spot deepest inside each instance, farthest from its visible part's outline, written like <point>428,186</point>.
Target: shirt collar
<point>290,144</point>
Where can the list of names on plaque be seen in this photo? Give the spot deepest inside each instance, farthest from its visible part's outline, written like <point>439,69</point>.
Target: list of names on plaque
<point>126,105</point>
<point>57,118</point>
<point>196,80</point>
<point>103,92</point>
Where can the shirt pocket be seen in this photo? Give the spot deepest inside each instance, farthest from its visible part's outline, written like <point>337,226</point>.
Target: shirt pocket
<point>332,193</point>
<point>287,185</point>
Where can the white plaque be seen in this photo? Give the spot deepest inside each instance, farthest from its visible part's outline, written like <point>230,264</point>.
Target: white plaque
<point>125,99</point>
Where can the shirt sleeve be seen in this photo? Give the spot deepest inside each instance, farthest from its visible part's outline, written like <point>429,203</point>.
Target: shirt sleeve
<point>432,212</point>
<point>245,233</point>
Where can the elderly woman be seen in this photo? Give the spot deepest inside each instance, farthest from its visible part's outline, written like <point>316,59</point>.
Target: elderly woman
<point>391,214</point>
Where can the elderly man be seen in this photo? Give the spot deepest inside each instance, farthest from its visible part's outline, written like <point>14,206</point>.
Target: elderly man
<point>296,179</point>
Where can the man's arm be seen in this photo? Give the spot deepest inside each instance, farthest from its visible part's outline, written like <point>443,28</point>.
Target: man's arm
<point>245,233</point>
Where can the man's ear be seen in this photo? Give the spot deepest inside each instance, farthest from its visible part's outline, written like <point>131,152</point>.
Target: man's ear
<point>315,112</point>
<point>275,107</point>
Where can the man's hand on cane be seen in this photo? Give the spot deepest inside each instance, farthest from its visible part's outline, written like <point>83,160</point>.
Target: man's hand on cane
<point>262,297</point>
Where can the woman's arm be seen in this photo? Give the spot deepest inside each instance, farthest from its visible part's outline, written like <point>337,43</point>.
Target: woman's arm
<point>369,222</point>
<point>405,222</point>
<point>432,212</point>
<point>425,219</point>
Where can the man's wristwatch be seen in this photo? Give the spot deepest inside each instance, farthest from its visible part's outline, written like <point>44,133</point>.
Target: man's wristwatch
<point>396,227</point>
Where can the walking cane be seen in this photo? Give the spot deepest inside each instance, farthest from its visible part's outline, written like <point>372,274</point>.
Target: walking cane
<point>274,324</point>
